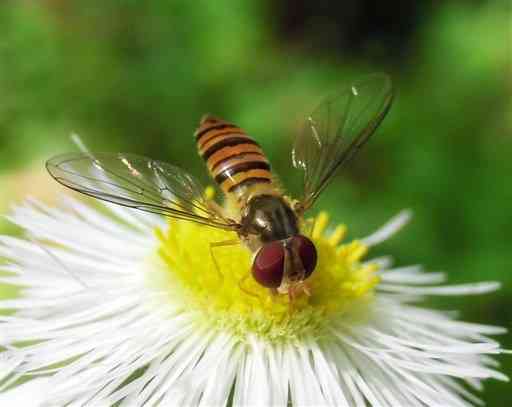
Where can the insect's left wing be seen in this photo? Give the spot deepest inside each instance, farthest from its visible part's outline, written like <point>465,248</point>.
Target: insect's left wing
<point>337,129</point>
<point>138,182</point>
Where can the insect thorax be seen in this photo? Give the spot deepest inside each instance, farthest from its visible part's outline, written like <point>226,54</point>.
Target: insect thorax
<point>270,217</point>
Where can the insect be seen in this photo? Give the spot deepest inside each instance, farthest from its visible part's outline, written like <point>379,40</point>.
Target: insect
<point>267,221</point>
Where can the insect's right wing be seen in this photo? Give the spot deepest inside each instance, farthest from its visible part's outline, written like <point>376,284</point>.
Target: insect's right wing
<point>138,182</point>
<point>337,129</point>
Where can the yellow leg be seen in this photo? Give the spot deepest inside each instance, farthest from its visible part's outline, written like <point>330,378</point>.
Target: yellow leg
<point>209,195</point>
<point>248,292</point>
<point>216,207</point>
<point>306,288</point>
<point>224,243</point>
<point>291,300</point>
<point>309,226</point>
<point>273,293</point>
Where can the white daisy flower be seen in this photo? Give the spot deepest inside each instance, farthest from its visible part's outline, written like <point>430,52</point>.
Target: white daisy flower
<point>125,309</point>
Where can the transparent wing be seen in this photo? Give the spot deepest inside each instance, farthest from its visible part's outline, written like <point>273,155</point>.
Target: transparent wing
<point>337,129</point>
<point>137,182</point>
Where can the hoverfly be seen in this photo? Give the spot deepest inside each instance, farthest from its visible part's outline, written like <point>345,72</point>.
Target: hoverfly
<point>266,220</point>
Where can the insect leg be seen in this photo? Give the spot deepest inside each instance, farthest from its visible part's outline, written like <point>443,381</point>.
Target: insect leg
<point>248,292</point>
<point>215,206</point>
<point>306,288</point>
<point>209,195</point>
<point>223,243</point>
<point>309,226</point>
<point>273,293</point>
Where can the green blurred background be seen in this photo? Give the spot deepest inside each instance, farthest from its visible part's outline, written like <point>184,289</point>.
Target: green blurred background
<point>136,76</point>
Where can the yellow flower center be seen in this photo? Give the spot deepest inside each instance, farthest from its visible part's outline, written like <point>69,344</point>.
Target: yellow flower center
<point>230,298</point>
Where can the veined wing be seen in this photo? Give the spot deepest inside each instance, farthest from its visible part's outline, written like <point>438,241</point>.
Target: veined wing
<point>337,129</point>
<point>137,182</point>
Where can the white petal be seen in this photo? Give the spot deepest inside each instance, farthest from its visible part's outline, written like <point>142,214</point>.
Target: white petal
<point>462,289</point>
<point>411,275</point>
<point>30,394</point>
<point>389,229</point>
<point>91,323</point>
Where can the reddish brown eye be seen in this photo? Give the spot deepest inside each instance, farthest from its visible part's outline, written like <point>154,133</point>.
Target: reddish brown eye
<point>268,266</point>
<point>307,253</point>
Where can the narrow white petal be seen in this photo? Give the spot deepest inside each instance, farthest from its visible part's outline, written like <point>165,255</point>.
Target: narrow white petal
<point>90,322</point>
<point>411,275</point>
<point>304,386</point>
<point>384,262</point>
<point>279,374</point>
<point>328,377</point>
<point>462,289</point>
<point>389,229</point>
<point>30,394</point>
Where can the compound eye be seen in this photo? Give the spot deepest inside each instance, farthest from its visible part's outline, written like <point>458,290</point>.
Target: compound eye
<point>268,265</point>
<point>307,253</point>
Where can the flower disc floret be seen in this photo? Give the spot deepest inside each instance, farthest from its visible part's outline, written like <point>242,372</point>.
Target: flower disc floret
<point>217,281</point>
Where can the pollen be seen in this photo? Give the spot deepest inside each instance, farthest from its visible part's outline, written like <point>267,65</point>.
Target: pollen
<point>210,270</point>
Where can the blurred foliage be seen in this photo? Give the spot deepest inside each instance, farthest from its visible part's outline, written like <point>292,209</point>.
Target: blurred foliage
<point>137,76</point>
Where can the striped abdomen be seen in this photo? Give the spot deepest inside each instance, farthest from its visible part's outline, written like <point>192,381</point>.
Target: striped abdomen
<point>234,159</point>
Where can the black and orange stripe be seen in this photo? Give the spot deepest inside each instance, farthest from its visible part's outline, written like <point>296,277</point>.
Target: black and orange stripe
<point>234,160</point>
